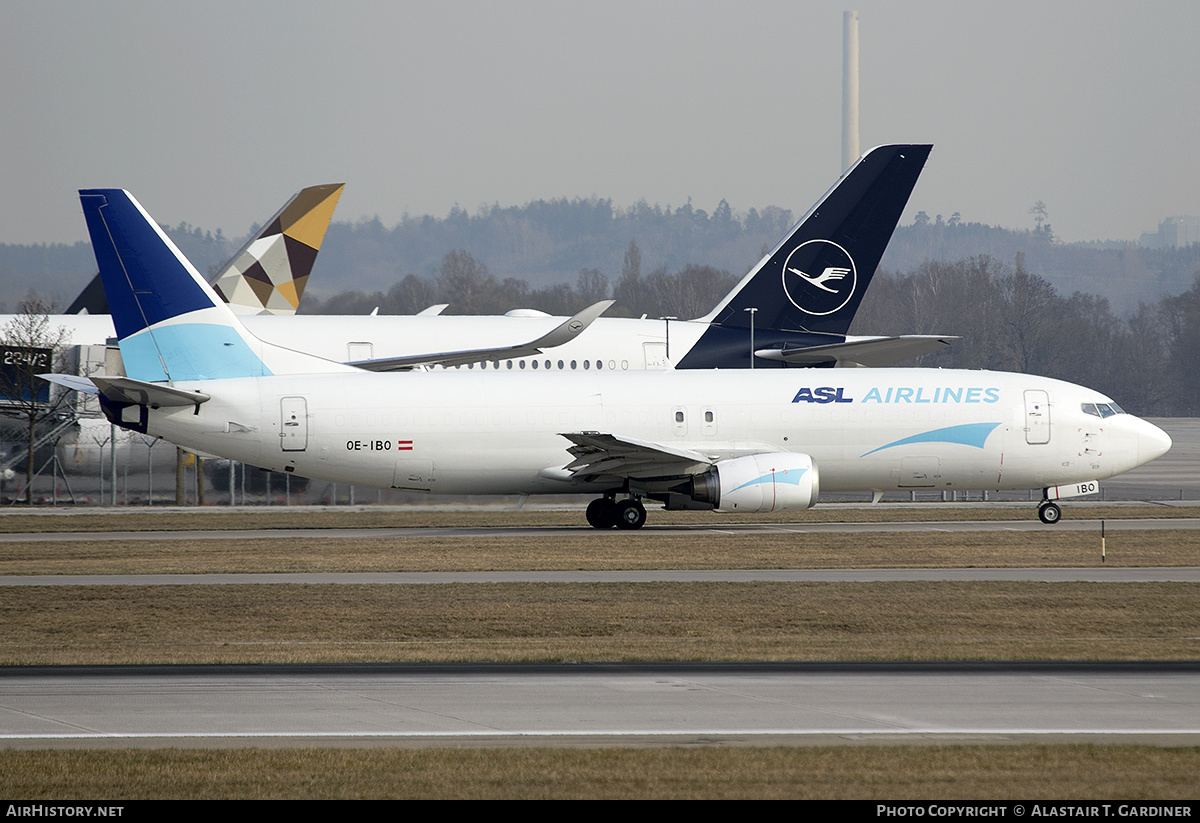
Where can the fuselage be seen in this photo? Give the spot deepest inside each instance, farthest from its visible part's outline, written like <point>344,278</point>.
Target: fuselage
<point>484,432</point>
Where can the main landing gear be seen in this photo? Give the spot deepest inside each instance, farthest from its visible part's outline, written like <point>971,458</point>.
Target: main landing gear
<point>1049,513</point>
<point>606,512</point>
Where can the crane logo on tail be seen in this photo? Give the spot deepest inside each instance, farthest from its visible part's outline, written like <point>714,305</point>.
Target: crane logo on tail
<point>819,277</point>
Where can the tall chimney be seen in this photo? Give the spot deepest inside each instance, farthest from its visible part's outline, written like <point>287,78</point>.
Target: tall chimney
<point>849,88</point>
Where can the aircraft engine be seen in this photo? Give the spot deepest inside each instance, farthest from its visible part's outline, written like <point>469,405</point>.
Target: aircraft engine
<point>759,483</point>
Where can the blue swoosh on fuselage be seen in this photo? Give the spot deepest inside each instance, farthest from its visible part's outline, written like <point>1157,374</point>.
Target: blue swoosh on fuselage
<point>968,434</point>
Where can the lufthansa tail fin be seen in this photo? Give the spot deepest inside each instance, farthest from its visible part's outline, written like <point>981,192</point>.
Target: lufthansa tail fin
<point>812,282</point>
<point>170,324</point>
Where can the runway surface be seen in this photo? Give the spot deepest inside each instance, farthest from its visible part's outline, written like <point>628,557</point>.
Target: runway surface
<point>598,704</point>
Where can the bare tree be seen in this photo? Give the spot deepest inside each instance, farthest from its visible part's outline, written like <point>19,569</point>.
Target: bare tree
<point>30,346</point>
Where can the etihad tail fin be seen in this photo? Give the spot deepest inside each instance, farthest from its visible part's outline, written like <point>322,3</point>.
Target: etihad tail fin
<point>812,282</point>
<point>170,324</point>
<point>269,273</point>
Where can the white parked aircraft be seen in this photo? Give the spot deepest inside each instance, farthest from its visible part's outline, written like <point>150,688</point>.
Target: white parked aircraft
<point>731,440</point>
<point>795,320</point>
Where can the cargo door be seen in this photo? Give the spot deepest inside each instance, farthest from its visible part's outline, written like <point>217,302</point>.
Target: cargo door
<point>293,429</point>
<point>1037,417</point>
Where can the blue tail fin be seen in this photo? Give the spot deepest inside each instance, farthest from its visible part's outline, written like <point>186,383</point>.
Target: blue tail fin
<point>807,290</point>
<point>170,323</point>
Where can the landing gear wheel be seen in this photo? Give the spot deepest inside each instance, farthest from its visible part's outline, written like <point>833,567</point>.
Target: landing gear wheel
<point>1049,513</point>
<point>631,514</point>
<point>602,513</point>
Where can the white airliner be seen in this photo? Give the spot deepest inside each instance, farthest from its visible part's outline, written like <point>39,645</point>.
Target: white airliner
<point>800,324</point>
<point>731,440</point>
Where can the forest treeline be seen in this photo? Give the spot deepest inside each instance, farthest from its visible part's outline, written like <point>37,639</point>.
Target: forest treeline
<point>1007,318</point>
<point>549,242</point>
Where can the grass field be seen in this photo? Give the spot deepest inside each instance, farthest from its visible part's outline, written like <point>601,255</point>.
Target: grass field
<point>1024,772</point>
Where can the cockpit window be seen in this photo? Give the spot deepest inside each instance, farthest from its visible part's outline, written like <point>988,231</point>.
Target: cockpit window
<point>1101,409</point>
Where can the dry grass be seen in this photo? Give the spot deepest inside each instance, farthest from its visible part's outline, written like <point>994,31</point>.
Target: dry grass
<point>1091,773</point>
<point>599,622</point>
<point>216,517</point>
<point>591,550</point>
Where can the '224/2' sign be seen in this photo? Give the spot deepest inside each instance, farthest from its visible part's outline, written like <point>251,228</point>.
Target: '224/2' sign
<point>18,365</point>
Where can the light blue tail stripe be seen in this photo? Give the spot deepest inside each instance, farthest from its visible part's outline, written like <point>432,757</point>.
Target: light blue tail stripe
<point>195,351</point>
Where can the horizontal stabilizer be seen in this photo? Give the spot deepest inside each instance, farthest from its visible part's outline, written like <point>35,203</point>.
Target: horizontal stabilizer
<point>567,331</point>
<point>154,395</point>
<point>873,352</point>
<point>72,382</point>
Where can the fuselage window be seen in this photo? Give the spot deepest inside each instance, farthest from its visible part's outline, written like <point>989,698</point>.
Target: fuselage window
<point>547,364</point>
<point>612,364</point>
<point>587,364</point>
<point>572,364</point>
<point>560,364</point>
<point>599,364</point>
<point>522,362</point>
<point>534,362</point>
<point>510,364</point>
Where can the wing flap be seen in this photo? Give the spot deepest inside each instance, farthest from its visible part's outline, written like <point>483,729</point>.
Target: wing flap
<point>598,453</point>
<point>872,352</point>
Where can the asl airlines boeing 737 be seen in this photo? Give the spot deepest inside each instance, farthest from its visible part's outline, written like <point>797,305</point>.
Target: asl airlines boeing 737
<point>730,440</point>
<point>786,315</point>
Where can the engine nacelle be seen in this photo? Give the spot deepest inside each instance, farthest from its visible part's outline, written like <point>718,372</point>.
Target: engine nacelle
<point>759,483</point>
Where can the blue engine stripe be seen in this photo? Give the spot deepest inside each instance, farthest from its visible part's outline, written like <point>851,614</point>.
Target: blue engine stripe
<point>792,478</point>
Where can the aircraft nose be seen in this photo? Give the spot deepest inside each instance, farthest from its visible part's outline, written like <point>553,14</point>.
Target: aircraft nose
<point>1153,442</point>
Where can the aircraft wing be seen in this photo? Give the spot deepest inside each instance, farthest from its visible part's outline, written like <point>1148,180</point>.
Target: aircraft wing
<point>568,330</point>
<point>597,453</point>
<point>873,352</point>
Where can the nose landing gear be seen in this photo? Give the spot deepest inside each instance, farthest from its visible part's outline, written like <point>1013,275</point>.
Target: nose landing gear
<point>606,512</point>
<point>1049,513</point>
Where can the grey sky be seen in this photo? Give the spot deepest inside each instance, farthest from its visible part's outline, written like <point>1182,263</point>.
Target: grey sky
<point>214,112</point>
